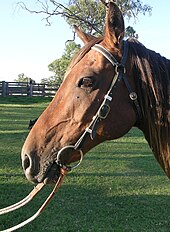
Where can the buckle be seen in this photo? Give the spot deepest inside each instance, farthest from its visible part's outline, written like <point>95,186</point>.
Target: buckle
<point>104,111</point>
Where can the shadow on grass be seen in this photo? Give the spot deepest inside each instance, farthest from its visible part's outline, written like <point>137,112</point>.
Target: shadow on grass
<point>89,209</point>
<point>145,165</point>
<point>24,100</point>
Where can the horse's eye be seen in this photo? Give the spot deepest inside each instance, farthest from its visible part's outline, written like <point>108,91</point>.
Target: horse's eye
<point>86,83</point>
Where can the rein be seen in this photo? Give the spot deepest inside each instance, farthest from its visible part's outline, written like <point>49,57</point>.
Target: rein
<point>63,172</point>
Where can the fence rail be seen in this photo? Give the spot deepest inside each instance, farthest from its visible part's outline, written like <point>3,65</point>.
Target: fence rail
<point>26,89</point>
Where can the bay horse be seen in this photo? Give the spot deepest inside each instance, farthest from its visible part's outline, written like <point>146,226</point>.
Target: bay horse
<point>110,86</point>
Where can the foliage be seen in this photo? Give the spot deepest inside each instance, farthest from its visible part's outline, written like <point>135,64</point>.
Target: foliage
<point>22,78</point>
<point>118,188</point>
<point>59,66</point>
<point>131,33</point>
<point>89,14</point>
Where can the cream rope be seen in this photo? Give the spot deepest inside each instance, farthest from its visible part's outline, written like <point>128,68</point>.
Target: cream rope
<point>24,201</point>
<point>56,187</point>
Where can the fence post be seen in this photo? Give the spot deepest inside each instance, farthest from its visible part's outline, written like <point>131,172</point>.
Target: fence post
<point>43,90</point>
<point>4,89</point>
<point>30,88</point>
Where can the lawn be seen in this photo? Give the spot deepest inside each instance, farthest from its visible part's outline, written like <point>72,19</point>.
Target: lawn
<point>118,188</point>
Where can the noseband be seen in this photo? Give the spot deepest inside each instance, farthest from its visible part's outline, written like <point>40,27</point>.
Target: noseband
<point>104,108</point>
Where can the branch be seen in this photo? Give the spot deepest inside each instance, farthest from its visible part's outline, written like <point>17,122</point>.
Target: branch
<point>88,16</point>
<point>59,10</point>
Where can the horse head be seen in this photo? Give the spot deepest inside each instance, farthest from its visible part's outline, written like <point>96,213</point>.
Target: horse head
<point>75,121</point>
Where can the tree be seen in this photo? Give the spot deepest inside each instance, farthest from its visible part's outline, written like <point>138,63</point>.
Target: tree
<point>90,14</point>
<point>59,66</point>
<point>23,78</point>
<point>131,33</point>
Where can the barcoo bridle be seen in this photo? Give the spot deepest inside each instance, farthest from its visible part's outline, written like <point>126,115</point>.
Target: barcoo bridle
<point>104,109</point>
<point>101,114</point>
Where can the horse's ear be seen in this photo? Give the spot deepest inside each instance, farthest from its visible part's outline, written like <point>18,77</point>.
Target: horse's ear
<point>83,36</point>
<point>114,29</point>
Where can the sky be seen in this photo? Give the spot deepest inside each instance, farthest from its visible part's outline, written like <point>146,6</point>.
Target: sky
<point>28,46</point>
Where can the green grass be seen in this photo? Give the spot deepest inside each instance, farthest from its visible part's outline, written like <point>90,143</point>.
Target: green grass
<point>118,188</point>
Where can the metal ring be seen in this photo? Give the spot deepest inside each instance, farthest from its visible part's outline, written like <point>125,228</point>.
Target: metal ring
<point>69,167</point>
<point>118,67</point>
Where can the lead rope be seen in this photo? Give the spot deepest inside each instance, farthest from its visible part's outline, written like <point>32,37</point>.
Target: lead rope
<point>63,172</point>
<point>24,201</point>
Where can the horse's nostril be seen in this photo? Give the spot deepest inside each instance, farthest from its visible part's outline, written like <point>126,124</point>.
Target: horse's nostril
<point>26,162</point>
<point>29,166</point>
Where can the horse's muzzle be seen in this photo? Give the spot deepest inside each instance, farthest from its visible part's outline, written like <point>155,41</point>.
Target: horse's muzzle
<point>47,172</point>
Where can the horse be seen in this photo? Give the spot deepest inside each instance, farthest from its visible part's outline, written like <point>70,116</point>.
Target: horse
<point>110,86</point>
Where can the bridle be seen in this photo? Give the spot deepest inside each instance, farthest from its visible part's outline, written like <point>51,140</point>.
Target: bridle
<point>91,130</point>
<point>104,109</point>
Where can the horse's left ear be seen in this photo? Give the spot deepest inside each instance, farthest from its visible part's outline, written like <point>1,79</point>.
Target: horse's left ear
<point>83,36</point>
<point>114,29</point>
